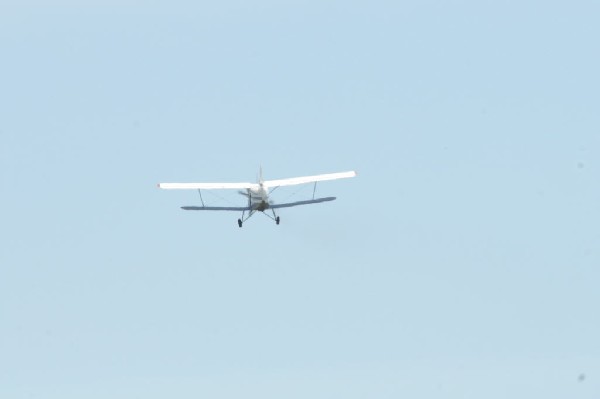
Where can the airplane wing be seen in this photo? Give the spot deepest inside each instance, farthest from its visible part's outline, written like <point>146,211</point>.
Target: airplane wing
<point>308,179</point>
<point>247,208</point>
<point>216,208</point>
<point>290,204</point>
<point>205,186</point>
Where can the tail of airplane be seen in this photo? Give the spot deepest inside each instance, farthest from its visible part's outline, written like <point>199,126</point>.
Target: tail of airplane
<point>260,175</point>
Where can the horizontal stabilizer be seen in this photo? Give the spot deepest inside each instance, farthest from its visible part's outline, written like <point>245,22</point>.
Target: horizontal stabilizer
<point>215,208</point>
<point>298,203</point>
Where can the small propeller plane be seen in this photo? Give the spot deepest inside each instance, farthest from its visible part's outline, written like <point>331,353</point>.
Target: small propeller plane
<point>257,194</point>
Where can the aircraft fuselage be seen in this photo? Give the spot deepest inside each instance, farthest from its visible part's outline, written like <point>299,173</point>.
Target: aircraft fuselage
<point>259,198</point>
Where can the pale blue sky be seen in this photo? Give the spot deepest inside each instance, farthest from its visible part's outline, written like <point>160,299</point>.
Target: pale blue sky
<point>462,262</point>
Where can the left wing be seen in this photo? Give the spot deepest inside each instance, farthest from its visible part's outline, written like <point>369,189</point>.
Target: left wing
<point>308,179</point>
<point>206,186</point>
<point>216,208</point>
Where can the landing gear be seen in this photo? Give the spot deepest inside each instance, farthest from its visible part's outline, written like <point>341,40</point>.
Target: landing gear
<point>252,212</point>
<point>275,217</point>
<point>243,219</point>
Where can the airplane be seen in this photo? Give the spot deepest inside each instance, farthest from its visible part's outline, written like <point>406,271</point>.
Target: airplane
<point>257,194</point>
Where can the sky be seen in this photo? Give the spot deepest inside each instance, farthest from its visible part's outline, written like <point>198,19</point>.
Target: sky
<point>461,262</point>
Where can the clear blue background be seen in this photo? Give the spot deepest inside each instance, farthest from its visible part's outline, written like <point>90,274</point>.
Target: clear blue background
<point>462,262</point>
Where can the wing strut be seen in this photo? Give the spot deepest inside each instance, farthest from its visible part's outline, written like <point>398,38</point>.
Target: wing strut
<point>201,200</point>
<point>314,189</point>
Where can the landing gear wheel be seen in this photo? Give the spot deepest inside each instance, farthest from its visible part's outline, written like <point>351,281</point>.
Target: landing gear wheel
<point>277,220</point>
<point>240,222</point>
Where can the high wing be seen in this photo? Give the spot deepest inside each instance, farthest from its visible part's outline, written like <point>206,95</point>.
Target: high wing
<point>308,179</point>
<point>205,186</point>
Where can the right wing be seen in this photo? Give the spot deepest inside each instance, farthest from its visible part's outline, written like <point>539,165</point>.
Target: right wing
<point>308,179</point>
<point>297,203</point>
<point>205,186</point>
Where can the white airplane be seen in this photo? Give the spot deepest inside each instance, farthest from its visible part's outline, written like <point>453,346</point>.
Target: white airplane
<point>257,193</point>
